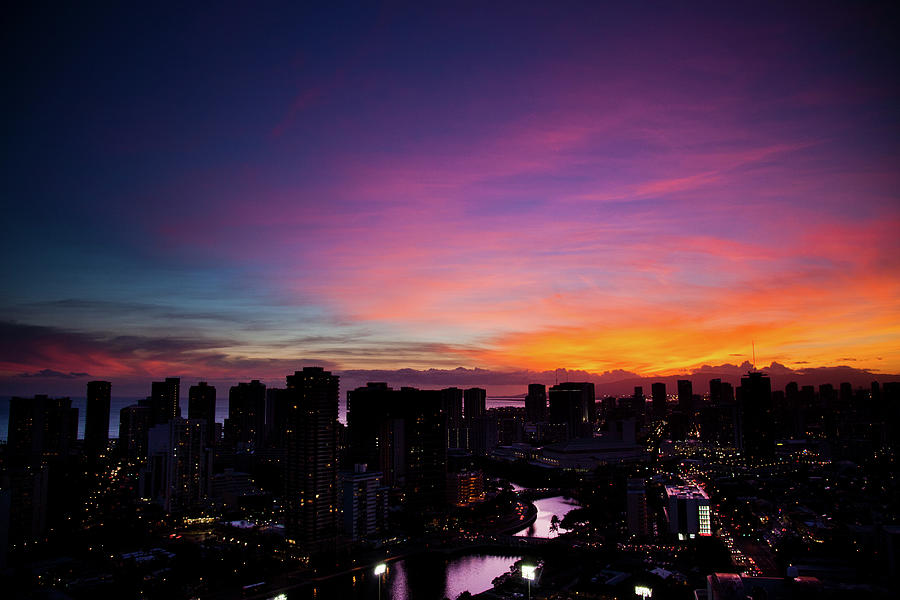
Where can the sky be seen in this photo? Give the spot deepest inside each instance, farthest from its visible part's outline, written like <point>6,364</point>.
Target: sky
<point>235,192</point>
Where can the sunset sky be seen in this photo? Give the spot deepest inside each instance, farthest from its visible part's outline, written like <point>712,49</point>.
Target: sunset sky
<point>234,192</point>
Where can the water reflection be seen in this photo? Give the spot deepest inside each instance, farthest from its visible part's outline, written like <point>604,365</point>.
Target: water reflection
<point>548,508</point>
<point>434,577</point>
<point>423,577</point>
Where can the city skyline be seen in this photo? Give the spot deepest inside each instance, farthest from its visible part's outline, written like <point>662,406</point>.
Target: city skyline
<point>515,189</point>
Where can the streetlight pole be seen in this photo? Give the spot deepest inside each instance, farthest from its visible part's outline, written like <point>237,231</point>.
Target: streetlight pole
<point>380,568</point>
<point>528,574</point>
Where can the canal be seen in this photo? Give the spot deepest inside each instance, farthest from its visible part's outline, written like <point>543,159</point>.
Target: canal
<point>435,576</point>
<point>430,576</point>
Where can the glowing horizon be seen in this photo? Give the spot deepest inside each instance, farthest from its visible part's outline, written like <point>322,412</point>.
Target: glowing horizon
<point>605,189</point>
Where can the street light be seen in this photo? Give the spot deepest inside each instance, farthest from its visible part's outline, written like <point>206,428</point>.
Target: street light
<point>528,574</point>
<point>380,568</point>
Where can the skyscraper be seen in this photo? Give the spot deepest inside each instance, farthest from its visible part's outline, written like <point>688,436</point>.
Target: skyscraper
<point>756,418</point>
<point>311,491</point>
<point>536,403</point>
<point>636,512</point>
<point>424,433</point>
<point>246,423</point>
<point>475,400</point>
<point>686,396</point>
<point>452,405</point>
<point>202,406</point>
<point>135,422</point>
<point>659,399</point>
<point>96,426</point>
<point>402,433</point>
<point>277,403</point>
<point>165,400</point>
<point>179,464</point>
<point>363,503</point>
<point>41,429</point>
<point>572,405</point>
<point>368,409</point>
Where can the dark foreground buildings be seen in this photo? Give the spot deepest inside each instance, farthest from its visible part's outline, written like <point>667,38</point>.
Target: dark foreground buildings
<point>311,487</point>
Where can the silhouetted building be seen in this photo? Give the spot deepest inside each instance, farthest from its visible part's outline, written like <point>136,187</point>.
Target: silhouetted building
<point>165,400</point>
<point>426,452</point>
<point>637,515</point>
<point>202,406</point>
<point>403,434</point>
<point>685,396</point>
<point>756,416</point>
<point>452,406</point>
<point>25,503</point>
<point>658,391</point>
<point>369,410</point>
<point>134,428</point>
<point>536,403</point>
<point>717,417</point>
<point>41,429</point>
<point>364,504</point>
<point>572,405</point>
<point>96,426</point>
<point>246,423</point>
<point>507,428</point>
<point>475,403</point>
<point>277,410</point>
<point>179,465</point>
<point>311,490</point>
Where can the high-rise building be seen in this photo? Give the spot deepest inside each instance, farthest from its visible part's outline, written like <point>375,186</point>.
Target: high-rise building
<point>475,403</point>
<point>685,396</point>
<point>277,403</point>
<point>369,410</point>
<point>536,403</point>
<point>165,400</point>
<point>756,415</point>
<point>135,422</point>
<point>41,429</point>
<point>452,407</point>
<point>364,504</point>
<point>96,426</point>
<point>658,391</point>
<point>572,405</point>
<point>311,491</point>
<point>403,434</point>
<point>424,432</point>
<point>715,391</point>
<point>688,511</point>
<point>26,503</point>
<point>202,406</point>
<point>246,423</point>
<point>179,464</point>
<point>637,515</point>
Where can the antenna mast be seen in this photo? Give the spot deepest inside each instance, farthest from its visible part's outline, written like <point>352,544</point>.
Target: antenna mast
<point>754,354</point>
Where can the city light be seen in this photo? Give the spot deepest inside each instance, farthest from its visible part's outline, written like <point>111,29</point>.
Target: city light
<point>528,572</point>
<point>380,568</point>
<point>643,591</point>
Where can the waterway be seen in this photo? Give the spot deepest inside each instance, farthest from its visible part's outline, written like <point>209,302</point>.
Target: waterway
<point>431,576</point>
<point>436,576</point>
<point>548,508</point>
